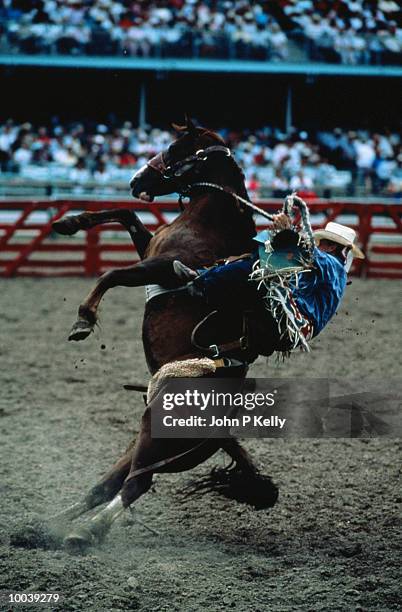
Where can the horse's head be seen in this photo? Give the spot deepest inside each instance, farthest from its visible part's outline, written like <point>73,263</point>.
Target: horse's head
<point>182,163</point>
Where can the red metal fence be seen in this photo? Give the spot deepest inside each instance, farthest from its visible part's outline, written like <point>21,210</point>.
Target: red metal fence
<point>28,246</point>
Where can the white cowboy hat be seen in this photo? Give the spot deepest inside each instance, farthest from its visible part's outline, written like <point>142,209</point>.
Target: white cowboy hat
<point>340,234</point>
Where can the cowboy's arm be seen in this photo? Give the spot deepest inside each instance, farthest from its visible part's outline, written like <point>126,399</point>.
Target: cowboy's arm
<point>329,271</point>
<point>232,258</point>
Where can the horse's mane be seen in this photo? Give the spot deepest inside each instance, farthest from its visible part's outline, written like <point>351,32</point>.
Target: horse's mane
<point>238,173</point>
<point>241,180</point>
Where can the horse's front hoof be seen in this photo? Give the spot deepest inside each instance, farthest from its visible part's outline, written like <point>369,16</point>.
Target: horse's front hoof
<point>80,330</point>
<point>67,226</point>
<point>79,541</point>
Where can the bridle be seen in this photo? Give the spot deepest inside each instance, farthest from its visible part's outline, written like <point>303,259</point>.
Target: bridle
<point>194,162</point>
<point>181,167</point>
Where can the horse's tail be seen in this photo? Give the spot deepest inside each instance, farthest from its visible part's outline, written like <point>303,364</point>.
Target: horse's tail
<point>232,482</point>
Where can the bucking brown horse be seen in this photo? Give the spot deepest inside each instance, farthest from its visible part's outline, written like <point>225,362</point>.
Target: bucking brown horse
<point>213,225</point>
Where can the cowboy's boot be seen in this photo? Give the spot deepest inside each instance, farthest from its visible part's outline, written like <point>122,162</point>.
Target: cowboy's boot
<point>183,272</point>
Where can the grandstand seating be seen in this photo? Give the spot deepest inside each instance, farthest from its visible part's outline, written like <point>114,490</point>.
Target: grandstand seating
<point>344,31</point>
<point>81,159</point>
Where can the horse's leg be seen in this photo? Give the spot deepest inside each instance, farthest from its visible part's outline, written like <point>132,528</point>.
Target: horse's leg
<point>156,270</point>
<point>147,451</point>
<point>109,485</point>
<point>96,529</point>
<point>139,234</point>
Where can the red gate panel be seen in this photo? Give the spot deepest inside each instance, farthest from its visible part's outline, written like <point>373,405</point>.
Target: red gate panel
<point>29,247</point>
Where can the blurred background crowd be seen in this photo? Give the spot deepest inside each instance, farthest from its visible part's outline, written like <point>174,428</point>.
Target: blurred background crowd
<point>339,31</point>
<point>100,157</point>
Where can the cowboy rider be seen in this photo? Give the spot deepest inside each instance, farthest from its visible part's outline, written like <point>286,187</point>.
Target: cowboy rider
<point>316,296</point>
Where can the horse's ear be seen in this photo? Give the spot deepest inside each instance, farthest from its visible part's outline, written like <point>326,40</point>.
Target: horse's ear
<point>179,128</point>
<point>191,127</point>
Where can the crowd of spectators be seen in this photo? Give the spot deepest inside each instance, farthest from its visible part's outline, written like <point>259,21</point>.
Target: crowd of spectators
<point>349,31</point>
<point>226,28</point>
<point>274,162</point>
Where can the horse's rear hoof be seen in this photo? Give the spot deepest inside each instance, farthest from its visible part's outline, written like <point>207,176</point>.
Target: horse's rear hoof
<point>78,542</point>
<point>67,226</point>
<point>80,330</point>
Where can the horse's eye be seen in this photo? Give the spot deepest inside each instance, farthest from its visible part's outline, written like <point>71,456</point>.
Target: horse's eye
<point>174,153</point>
<point>169,154</point>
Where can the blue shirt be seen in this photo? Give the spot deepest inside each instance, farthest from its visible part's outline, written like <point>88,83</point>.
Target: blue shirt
<point>318,294</point>
<point>320,291</point>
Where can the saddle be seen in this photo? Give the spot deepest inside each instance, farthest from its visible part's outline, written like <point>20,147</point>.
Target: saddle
<point>242,335</point>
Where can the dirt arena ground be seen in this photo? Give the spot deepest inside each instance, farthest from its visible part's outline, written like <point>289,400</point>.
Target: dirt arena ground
<point>331,542</point>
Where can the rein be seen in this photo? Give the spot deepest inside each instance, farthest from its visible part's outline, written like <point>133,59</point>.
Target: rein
<point>158,464</point>
<point>290,202</point>
<point>257,209</point>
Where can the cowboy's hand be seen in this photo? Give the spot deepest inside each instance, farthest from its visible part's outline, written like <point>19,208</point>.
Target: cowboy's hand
<point>232,258</point>
<point>281,221</point>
